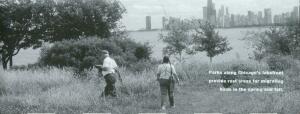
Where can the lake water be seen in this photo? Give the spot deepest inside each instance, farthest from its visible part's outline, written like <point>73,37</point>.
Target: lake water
<point>240,49</point>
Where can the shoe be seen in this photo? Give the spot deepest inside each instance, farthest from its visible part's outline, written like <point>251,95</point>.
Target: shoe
<point>163,108</point>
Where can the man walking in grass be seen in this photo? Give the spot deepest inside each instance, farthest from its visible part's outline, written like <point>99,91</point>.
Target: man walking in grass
<point>109,72</point>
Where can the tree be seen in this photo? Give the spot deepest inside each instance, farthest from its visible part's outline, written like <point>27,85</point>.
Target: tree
<point>207,39</point>
<point>74,19</point>
<point>276,40</point>
<point>178,40</point>
<point>256,41</point>
<point>143,52</point>
<point>27,23</point>
<point>85,53</point>
<point>19,30</point>
<point>294,34</point>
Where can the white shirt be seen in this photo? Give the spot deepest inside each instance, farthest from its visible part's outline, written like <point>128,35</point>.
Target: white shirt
<point>164,70</point>
<point>109,64</point>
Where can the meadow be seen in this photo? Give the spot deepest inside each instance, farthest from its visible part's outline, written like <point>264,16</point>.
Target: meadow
<point>55,90</point>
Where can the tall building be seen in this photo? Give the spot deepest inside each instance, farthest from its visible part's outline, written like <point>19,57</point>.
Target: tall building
<point>295,14</point>
<point>222,10</point>
<point>260,18</point>
<point>220,18</point>
<point>232,21</point>
<point>268,16</point>
<point>227,19</point>
<point>205,13</point>
<point>164,22</point>
<point>278,19</point>
<point>209,7</point>
<point>227,11</point>
<point>251,18</point>
<point>211,13</point>
<point>148,22</point>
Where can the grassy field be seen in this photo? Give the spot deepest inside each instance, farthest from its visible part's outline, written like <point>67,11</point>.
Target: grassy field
<point>56,90</point>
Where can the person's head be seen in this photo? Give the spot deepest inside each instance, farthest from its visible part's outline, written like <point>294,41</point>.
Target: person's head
<point>166,59</point>
<point>105,53</point>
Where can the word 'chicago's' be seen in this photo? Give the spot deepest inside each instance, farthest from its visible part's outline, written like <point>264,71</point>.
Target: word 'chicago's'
<point>246,72</point>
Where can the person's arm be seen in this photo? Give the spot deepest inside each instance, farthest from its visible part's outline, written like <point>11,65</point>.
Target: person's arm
<point>158,73</point>
<point>115,67</point>
<point>114,64</point>
<point>99,68</point>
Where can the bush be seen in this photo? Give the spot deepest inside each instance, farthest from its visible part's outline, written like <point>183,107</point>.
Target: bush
<point>143,51</point>
<point>2,83</point>
<point>279,63</point>
<point>85,53</point>
<point>236,68</point>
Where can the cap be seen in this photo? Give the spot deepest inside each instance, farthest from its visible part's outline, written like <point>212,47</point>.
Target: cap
<point>105,52</point>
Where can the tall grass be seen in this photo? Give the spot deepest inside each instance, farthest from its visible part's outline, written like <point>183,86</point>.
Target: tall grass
<point>2,82</point>
<point>56,90</point>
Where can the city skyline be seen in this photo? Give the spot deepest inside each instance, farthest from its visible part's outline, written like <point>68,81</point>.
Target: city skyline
<point>137,10</point>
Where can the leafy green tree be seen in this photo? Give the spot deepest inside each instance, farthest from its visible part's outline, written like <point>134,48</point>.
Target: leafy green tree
<point>143,52</point>
<point>207,39</point>
<point>19,29</point>
<point>276,40</point>
<point>74,19</point>
<point>85,53</point>
<point>27,23</point>
<point>256,41</point>
<point>294,35</point>
<point>178,40</point>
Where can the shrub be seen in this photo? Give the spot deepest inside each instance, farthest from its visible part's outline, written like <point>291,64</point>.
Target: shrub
<point>236,68</point>
<point>279,63</point>
<point>275,40</point>
<point>143,65</point>
<point>85,53</point>
<point>143,51</point>
<point>2,83</point>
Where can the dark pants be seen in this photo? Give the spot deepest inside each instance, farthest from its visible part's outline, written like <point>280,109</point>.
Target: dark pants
<point>110,88</point>
<point>167,89</point>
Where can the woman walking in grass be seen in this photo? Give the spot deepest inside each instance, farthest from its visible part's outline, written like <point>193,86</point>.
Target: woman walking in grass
<point>166,75</point>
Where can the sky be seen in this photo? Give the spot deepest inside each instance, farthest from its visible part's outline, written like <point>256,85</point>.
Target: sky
<point>137,10</point>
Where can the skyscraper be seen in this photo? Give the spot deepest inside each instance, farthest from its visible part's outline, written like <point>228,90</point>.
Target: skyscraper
<point>251,18</point>
<point>268,16</point>
<point>294,14</point>
<point>278,19</point>
<point>164,22</point>
<point>220,18</point>
<point>209,7</point>
<point>232,21</point>
<point>210,12</point>
<point>148,22</point>
<point>205,13</point>
<point>227,11</point>
<point>260,18</point>
<point>222,11</point>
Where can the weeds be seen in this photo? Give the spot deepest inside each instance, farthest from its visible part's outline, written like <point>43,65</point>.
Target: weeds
<point>56,90</point>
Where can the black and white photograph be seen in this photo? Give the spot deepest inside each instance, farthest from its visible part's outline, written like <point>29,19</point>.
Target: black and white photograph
<point>149,56</point>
